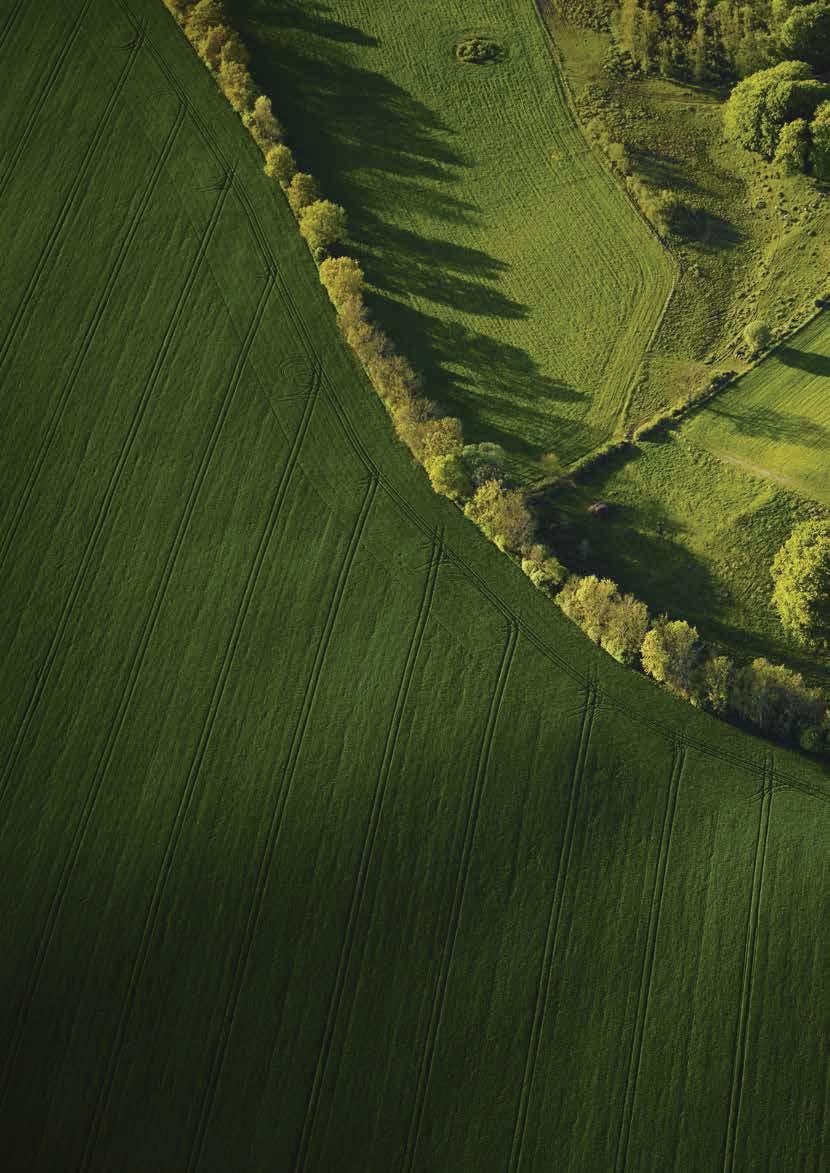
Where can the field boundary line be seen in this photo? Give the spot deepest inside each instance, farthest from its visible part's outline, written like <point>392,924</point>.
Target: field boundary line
<point>748,976</point>
<point>442,978</point>
<point>649,951</point>
<point>275,825</point>
<point>10,22</point>
<point>552,932</point>
<point>370,838</point>
<point>39,101</point>
<point>91,799</point>
<point>109,494</point>
<point>89,334</point>
<point>69,208</point>
<point>192,777</point>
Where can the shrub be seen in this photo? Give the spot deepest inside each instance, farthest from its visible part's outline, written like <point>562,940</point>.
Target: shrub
<point>670,654</point>
<point>449,477</point>
<point>302,191</point>
<point>813,739</point>
<point>280,164</point>
<point>775,699</point>
<point>477,51</point>
<point>342,278</point>
<point>501,515</point>
<point>322,224</point>
<point>793,145</point>
<point>801,574</point>
<point>820,142</point>
<point>757,336</point>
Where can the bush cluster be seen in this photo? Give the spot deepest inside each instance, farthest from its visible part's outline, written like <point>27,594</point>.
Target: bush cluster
<point>477,51</point>
<point>770,697</point>
<point>783,113</point>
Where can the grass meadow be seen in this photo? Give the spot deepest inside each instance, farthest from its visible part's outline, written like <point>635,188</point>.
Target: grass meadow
<point>328,843</point>
<point>502,255</point>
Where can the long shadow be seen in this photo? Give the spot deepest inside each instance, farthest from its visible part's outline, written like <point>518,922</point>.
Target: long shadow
<point>769,424</point>
<point>373,145</point>
<point>805,360</point>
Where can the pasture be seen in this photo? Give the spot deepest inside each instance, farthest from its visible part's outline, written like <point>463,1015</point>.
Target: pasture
<point>327,842</point>
<point>503,256</point>
<point>775,421</point>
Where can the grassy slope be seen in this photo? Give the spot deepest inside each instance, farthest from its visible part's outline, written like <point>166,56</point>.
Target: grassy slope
<point>316,846</point>
<point>523,286</point>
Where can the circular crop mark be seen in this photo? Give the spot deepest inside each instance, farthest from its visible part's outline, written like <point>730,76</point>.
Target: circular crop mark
<point>478,51</point>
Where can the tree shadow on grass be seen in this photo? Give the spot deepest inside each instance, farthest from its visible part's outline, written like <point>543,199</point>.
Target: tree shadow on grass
<point>805,360</point>
<point>767,423</point>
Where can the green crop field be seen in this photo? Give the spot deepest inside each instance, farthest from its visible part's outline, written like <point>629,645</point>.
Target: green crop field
<point>505,259</point>
<point>775,421</point>
<point>328,844</point>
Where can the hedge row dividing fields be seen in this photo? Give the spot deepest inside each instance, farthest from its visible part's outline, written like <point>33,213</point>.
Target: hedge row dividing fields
<point>505,261</point>
<point>327,843</point>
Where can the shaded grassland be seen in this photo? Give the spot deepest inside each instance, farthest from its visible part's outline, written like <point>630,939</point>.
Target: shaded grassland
<point>699,513</point>
<point>328,843</point>
<point>504,260</point>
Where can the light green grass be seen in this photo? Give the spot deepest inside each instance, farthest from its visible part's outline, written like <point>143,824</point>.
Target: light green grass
<point>327,842</point>
<point>505,261</point>
<point>775,421</point>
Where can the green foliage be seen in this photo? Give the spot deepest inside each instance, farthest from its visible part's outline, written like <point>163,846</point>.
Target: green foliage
<point>820,142</point>
<point>322,224</point>
<point>236,83</point>
<point>761,105</point>
<point>793,146</point>
<point>671,652</point>
<point>717,675</point>
<point>342,278</point>
<point>617,623</point>
<point>626,627</point>
<point>302,191</point>
<point>544,569</point>
<point>262,125</point>
<point>776,700</point>
<point>478,51</point>
<point>801,574</point>
<point>484,461</point>
<point>280,164</point>
<point>805,35</point>
<point>449,477</point>
<point>502,515</point>
<point>757,336</point>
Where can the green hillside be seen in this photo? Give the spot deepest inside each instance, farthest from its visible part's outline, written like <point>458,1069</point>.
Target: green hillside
<point>328,843</point>
<point>504,257</point>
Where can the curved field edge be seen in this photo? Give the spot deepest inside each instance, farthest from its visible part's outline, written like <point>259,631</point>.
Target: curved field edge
<point>505,259</point>
<point>325,813</point>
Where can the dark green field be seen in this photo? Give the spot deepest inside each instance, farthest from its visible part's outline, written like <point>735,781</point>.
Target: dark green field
<point>328,844</point>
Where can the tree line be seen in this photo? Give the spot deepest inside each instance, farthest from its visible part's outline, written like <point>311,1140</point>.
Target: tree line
<point>473,475</point>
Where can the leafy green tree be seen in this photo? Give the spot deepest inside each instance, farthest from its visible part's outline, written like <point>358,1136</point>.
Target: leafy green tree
<point>716,677</point>
<point>199,17</point>
<point>793,146</point>
<point>262,125</point>
<point>588,601</point>
<point>776,700</point>
<point>805,34</point>
<point>761,105</point>
<point>322,224</point>
<point>671,653</point>
<point>501,515</point>
<point>757,336</point>
<point>280,164</point>
<point>626,626</point>
<point>342,278</point>
<point>302,191</point>
<point>801,574</point>
<point>237,84</point>
<point>544,569</point>
<point>484,461</point>
<point>449,477</point>
<point>820,142</point>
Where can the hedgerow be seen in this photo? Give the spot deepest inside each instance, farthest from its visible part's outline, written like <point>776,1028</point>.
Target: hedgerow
<point>765,695</point>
